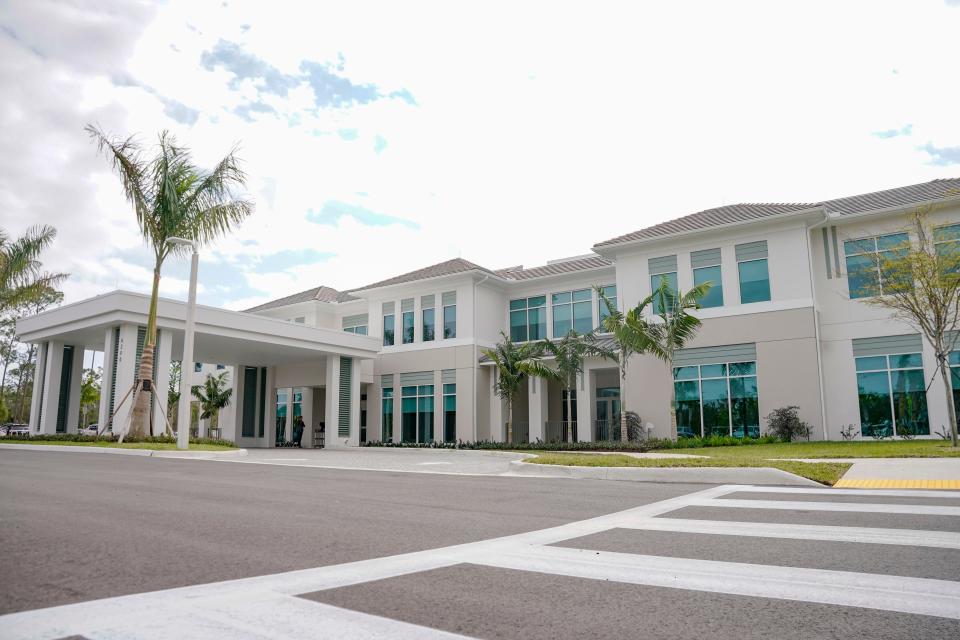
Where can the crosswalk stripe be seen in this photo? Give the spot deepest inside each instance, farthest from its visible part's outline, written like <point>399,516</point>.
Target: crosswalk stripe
<point>921,596</point>
<point>863,535</point>
<point>890,493</point>
<point>913,509</point>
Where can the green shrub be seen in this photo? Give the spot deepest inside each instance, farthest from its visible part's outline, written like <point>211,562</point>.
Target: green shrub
<point>641,446</point>
<point>76,437</point>
<point>785,423</point>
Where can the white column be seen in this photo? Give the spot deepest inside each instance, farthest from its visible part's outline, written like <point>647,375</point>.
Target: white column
<point>106,390</point>
<point>538,396</point>
<point>39,375</point>
<point>51,387</point>
<point>332,400</point>
<point>354,439</point>
<point>229,415</point>
<point>126,372</point>
<point>438,406</point>
<point>162,382</point>
<point>586,405</point>
<point>270,430</point>
<point>306,407</point>
<point>76,381</point>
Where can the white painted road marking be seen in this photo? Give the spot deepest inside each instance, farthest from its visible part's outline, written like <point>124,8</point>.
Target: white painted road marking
<point>266,606</point>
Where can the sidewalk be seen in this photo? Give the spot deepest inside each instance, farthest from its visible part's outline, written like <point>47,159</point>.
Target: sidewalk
<point>898,473</point>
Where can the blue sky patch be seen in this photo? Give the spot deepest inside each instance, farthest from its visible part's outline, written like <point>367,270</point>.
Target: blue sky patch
<point>333,210</point>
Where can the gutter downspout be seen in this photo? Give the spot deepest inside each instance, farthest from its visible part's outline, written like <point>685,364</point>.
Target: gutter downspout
<point>816,318</point>
<point>476,382</point>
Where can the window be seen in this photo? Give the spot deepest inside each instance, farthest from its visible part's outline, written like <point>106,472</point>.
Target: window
<point>197,367</point>
<point>572,310</point>
<point>863,271</point>
<point>449,300</point>
<point>753,271</point>
<point>406,308</point>
<point>955,379</point>
<point>946,241</point>
<point>388,329</point>
<point>221,367</point>
<point>449,413</point>
<point>300,320</point>
<point>386,420</point>
<point>610,292</point>
<point>360,330</point>
<point>355,324</point>
<point>893,399</point>
<point>281,416</point>
<point>427,314</point>
<point>417,413</point>
<point>717,399</point>
<point>249,407</point>
<point>528,319</point>
<point>706,270</point>
<point>655,282</point>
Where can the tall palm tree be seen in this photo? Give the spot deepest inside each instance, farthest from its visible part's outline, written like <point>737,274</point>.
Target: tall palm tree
<point>514,363</point>
<point>213,395</point>
<point>171,197</point>
<point>674,328</point>
<point>22,279</point>
<point>625,328</point>
<point>569,353</point>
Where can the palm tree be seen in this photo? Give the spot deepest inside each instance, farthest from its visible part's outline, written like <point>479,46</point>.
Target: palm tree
<point>22,280</point>
<point>673,330</point>
<point>514,363</point>
<point>171,197</point>
<point>623,328</point>
<point>213,395</point>
<point>569,353</point>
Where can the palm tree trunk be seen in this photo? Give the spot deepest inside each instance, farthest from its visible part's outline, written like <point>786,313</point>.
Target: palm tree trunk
<point>673,407</point>
<point>569,424</point>
<point>510,420</point>
<point>140,416</point>
<point>951,409</point>
<point>624,432</point>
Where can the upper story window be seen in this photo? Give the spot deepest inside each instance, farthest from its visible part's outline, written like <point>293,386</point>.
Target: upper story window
<point>663,269</point>
<point>528,319</point>
<point>947,239</point>
<point>300,320</point>
<point>389,324</point>
<point>572,310</point>
<point>406,309</point>
<point>706,270</point>
<point>221,367</point>
<point>863,262</point>
<point>753,271</point>
<point>356,324</point>
<point>610,293</point>
<point>197,367</point>
<point>449,300</point>
<point>428,315</point>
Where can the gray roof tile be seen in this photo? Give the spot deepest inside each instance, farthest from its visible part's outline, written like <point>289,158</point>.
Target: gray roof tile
<point>319,294</point>
<point>450,267</point>
<point>901,196</point>
<point>555,268</point>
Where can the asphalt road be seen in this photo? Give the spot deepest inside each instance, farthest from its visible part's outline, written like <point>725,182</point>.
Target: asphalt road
<point>83,526</point>
<point>583,558</point>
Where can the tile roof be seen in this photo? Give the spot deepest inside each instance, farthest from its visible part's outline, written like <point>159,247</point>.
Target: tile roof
<point>752,211</point>
<point>319,294</point>
<point>555,268</point>
<point>450,267</point>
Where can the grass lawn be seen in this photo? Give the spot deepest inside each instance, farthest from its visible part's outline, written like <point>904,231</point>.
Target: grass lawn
<point>824,472</point>
<point>160,446</point>
<point>854,449</point>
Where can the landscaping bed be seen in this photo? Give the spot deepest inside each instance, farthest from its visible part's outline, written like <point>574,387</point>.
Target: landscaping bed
<point>159,443</point>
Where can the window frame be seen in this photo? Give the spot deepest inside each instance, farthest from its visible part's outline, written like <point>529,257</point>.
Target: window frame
<point>727,377</point>
<point>418,395</point>
<point>766,262</point>
<point>449,390</point>
<point>715,286</point>
<point>602,311</point>
<point>572,303</point>
<point>390,339</point>
<point>890,389</point>
<point>526,316</point>
<point>878,274</point>
<point>424,336</point>
<point>386,426</point>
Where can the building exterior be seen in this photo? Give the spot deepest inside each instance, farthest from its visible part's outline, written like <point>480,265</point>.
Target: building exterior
<point>401,360</point>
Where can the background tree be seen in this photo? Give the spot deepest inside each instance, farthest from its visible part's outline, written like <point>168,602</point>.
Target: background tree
<point>671,328</point>
<point>22,279</point>
<point>514,363</point>
<point>623,328</point>
<point>44,298</point>
<point>173,392</point>
<point>920,284</point>
<point>171,197</point>
<point>569,353</point>
<point>90,395</point>
<point>213,395</point>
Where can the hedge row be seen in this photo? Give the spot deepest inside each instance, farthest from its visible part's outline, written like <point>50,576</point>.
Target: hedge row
<point>76,437</point>
<point>650,444</point>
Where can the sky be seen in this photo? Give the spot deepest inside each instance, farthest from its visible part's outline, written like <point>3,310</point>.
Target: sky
<point>379,138</point>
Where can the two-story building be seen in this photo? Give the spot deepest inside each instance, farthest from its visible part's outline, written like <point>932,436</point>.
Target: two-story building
<point>401,360</point>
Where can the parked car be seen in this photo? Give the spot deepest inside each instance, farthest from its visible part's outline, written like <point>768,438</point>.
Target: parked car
<point>15,429</point>
<point>90,430</point>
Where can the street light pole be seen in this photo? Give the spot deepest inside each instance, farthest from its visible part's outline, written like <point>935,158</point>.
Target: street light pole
<point>186,364</point>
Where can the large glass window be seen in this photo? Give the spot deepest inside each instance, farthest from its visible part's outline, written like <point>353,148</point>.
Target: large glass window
<point>717,399</point>
<point>407,334</point>
<point>610,292</point>
<point>386,415</point>
<point>713,276</point>
<point>449,413</point>
<point>429,323</point>
<point>893,399</point>
<point>572,310</point>
<point>754,281</point>
<point>955,380</point>
<point>528,319</point>
<point>361,330</point>
<point>417,413</point>
<point>450,321</point>
<point>863,269</point>
<point>388,329</point>
<point>655,282</point>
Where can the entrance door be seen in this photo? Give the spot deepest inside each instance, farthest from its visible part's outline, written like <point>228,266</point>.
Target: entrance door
<point>608,413</point>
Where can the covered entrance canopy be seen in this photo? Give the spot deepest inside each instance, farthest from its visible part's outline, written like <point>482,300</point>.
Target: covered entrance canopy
<point>252,345</point>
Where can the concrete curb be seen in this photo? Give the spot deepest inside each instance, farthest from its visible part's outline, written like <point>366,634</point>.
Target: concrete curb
<point>143,453</point>
<point>702,475</point>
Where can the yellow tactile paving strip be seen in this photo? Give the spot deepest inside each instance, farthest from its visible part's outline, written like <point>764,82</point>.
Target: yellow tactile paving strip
<point>894,483</point>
